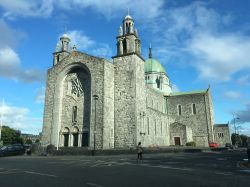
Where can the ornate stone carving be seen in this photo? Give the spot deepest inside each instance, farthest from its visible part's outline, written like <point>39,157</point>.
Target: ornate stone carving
<point>74,85</point>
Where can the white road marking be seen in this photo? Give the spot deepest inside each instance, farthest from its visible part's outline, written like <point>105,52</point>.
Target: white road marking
<point>93,184</point>
<point>223,173</point>
<point>221,158</point>
<point>245,170</point>
<point>8,172</point>
<point>167,167</point>
<point>42,174</point>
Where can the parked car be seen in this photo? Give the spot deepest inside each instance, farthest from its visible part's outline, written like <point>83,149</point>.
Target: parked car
<point>213,145</point>
<point>11,150</point>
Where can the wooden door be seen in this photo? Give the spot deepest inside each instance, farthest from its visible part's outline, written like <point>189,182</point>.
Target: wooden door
<point>177,140</point>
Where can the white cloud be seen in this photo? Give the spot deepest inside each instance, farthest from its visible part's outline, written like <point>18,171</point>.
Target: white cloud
<point>18,118</point>
<point>219,57</point>
<point>244,115</point>
<point>85,43</point>
<point>40,95</point>
<point>142,9</point>
<point>232,94</point>
<point>10,67</point>
<point>79,39</point>
<point>175,88</point>
<point>9,36</point>
<point>26,8</point>
<point>10,63</point>
<point>103,50</point>
<point>196,32</point>
<point>244,80</point>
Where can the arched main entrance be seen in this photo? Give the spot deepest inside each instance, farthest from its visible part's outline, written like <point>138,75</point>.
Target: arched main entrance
<point>76,103</point>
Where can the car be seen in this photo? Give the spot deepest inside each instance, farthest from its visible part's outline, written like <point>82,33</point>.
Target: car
<point>213,145</point>
<point>11,150</point>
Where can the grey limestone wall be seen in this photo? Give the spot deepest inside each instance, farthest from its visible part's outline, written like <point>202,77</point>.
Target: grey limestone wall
<point>222,135</point>
<point>54,95</point>
<point>108,115</point>
<point>198,124</point>
<point>129,99</point>
<point>156,124</point>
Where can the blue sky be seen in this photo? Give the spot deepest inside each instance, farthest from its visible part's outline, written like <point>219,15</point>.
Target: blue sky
<point>200,43</point>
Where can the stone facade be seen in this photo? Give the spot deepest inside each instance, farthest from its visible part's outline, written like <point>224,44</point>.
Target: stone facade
<point>91,102</point>
<point>222,134</point>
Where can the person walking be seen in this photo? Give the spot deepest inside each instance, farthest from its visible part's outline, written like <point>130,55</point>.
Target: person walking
<point>139,151</point>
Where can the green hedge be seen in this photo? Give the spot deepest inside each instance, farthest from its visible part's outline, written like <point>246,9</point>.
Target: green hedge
<point>191,144</point>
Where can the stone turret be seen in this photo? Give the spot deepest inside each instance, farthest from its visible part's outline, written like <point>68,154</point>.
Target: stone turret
<point>62,49</point>
<point>128,41</point>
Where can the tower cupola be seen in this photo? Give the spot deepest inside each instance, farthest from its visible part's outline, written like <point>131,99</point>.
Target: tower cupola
<point>62,49</point>
<point>65,42</point>
<point>127,40</point>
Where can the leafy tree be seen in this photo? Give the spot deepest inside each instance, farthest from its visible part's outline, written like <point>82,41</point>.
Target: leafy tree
<point>244,140</point>
<point>10,136</point>
<point>37,141</point>
<point>236,138</point>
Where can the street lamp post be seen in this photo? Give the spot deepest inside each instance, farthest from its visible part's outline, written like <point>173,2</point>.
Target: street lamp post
<point>95,98</point>
<point>235,129</point>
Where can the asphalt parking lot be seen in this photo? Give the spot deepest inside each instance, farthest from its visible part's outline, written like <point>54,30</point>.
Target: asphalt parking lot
<point>165,169</point>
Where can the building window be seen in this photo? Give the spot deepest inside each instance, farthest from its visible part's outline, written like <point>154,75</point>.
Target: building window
<point>220,134</point>
<point>193,108</point>
<point>179,110</point>
<point>74,114</point>
<point>148,125</point>
<point>158,82</point>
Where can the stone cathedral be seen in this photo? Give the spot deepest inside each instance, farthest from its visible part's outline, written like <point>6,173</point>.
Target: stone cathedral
<point>92,102</point>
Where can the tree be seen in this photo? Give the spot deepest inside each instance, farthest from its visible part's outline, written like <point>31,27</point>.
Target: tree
<point>244,140</point>
<point>236,139</point>
<point>37,141</point>
<point>11,136</point>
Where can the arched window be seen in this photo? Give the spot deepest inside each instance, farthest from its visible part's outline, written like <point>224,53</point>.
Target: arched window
<point>158,82</point>
<point>193,108</point>
<point>179,110</point>
<point>124,43</point>
<point>74,114</point>
<point>66,137</point>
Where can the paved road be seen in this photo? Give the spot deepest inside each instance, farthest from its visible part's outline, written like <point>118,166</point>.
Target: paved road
<point>156,170</point>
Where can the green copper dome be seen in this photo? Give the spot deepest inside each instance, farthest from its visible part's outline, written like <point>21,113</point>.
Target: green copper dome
<point>152,65</point>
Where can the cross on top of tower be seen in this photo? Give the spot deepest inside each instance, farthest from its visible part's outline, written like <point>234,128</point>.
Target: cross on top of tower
<point>128,16</point>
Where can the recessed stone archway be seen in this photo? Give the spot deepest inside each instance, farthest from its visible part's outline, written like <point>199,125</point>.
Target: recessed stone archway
<point>75,102</point>
<point>178,134</point>
<point>65,136</point>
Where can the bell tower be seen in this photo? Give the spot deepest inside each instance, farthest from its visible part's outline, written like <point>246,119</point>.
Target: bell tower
<point>129,86</point>
<point>128,41</point>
